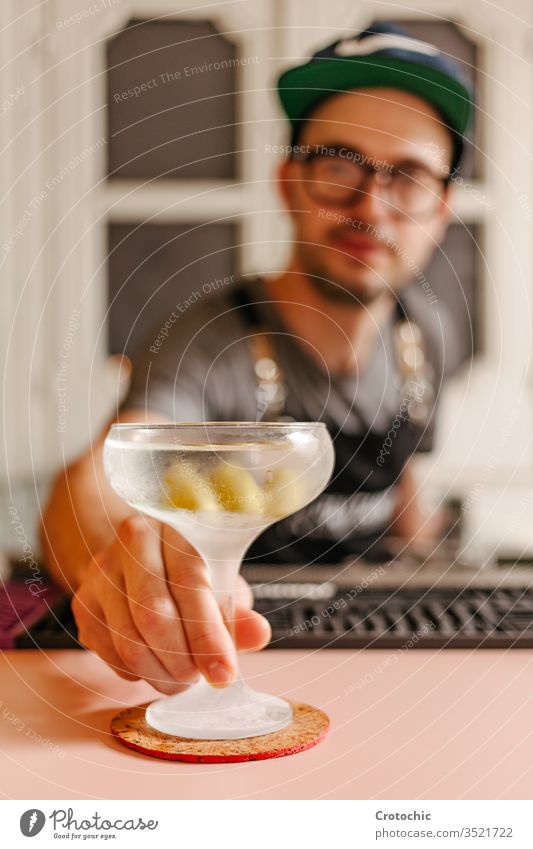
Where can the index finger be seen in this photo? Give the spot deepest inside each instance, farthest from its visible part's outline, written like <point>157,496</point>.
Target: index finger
<point>150,603</point>
<point>209,640</point>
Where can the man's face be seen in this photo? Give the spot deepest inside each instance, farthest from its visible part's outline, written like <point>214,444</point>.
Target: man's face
<point>370,245</point>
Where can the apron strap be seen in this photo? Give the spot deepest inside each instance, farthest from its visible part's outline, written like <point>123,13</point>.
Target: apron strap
<point>271,389</point>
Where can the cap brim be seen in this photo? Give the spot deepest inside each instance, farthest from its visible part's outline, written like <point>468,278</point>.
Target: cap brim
<point>302,88</point>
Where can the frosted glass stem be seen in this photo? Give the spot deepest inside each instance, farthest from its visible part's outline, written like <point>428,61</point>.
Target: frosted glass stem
<point>223,575</point>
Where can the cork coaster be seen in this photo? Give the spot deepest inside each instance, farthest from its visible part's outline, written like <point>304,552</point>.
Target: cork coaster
<point>308,727</point>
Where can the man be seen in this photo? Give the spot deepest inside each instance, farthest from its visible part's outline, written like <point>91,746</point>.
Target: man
<point>378,123</point>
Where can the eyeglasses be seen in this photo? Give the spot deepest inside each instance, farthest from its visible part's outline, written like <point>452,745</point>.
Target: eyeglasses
<point>338,176</point>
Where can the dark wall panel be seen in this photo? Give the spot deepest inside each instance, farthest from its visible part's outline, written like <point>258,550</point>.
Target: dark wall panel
<point>171,101</point>
<point>154,267</point>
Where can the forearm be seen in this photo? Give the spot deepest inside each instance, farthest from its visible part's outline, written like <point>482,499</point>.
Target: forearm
<point>78,521</point>
<point>412,522</point>
<point>82,513</point>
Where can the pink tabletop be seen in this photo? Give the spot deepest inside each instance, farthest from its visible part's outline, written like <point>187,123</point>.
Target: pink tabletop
<point>415,724</point>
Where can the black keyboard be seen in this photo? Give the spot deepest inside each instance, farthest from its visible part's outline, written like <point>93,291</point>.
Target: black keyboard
<point>324,616</point>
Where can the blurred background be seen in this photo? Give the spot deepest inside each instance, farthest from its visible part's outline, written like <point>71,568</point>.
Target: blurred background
<point>137,162</point>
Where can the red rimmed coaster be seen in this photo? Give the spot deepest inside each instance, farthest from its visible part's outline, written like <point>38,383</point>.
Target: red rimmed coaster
<point>309,725</point>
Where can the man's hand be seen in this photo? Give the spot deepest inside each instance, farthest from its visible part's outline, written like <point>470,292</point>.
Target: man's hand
<point>145,605</point>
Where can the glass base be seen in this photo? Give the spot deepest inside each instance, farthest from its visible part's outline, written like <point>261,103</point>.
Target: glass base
<point>206,713</point>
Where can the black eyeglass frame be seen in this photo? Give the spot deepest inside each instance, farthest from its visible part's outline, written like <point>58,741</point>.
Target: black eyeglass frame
<point>354,156</point>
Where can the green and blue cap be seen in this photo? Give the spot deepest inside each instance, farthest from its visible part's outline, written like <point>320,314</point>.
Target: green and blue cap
<point>383,55</point>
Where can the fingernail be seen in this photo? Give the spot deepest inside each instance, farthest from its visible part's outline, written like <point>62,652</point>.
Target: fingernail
<point>219,675</point>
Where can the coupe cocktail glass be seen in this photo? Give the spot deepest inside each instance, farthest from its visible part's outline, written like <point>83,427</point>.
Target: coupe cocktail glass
<point>220,485</point>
